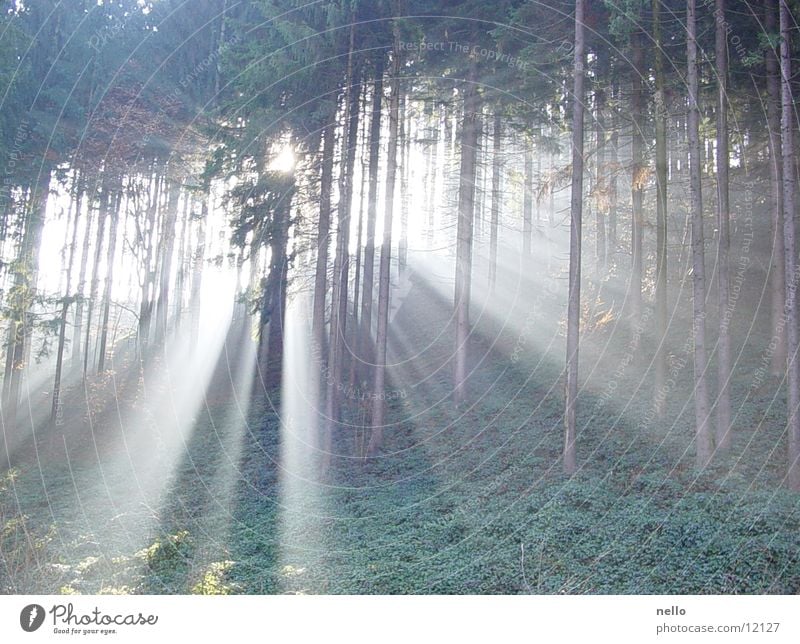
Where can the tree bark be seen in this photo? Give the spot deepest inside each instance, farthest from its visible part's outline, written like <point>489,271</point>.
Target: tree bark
<point>384,277</point>
<point>661,215</point>
<point>466,214</point>
<point>68,298</point>
<point>323,240</point>
<point>576,214</point>
<point>372,208</point>
<point>495,214</point>
<point>527,200</point>
<point>777,263</point>
<point>723,240</point>
<point>703,433</point>
<point>110,260</point>
<point>792,339</point>
<point>637,181</point>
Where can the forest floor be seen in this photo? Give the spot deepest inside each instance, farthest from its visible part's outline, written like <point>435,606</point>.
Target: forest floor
<point>461,501</point>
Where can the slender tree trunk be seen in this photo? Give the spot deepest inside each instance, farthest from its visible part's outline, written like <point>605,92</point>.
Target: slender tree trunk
<point>354,363</point>
<point>198,259</point>
<point>105,199</point>
<point>576,214</point>
<point>637,181</point>
<point>68,297</point>
<point>180,278</point>
<point>704,439</point>
<point>405,150</point>
<point>792,339</point>
<point>723,241</point>
<point>323,240</point>
<point>466,214</point>
<point>80,305</point>
<point>338,329</point>
<point>372,208</point>
<point>777,263</point>
<point>384,277</point>
<point>527,200</point>
<point>661,214</point>
<point>110,261</point>
<point>25,292</point>
<point>148,239</point>
<point>276,285</point>
<point>495,214</point>
<point>600,178</point>
<point>612,185</point>
<point>167,247</point>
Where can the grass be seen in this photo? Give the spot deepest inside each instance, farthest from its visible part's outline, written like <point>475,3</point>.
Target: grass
<point>461,501</point>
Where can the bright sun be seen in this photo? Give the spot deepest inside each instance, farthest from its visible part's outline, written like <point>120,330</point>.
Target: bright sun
<point>284,161</point>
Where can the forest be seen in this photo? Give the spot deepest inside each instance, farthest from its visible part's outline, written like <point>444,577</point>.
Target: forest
<point>399,297</point>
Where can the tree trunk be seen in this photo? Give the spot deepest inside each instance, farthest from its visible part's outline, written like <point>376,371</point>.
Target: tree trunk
<point>723,240</point>
<point>80,305</point>
<point>103,210</point>
<point>527,200</point>
<point>275,289</point>
<point>384,277</point>
<point>704,440</point>
<point>600,203</point>
<point>637,181</point>
<point>372,208</point>
<point>466,213</point>
<point>77,197</point>
<point>792,340</point>
<point>25,292</point>
<point>167,247</point>
<point>661,215</point>
<point>777,265</point>
<point>495,214</point>
<point>576,214</point>
<point>110,259</point>
<point>198,258</point>
<point>341,271</point>
<point>405,161</point>
<point>323,240</point>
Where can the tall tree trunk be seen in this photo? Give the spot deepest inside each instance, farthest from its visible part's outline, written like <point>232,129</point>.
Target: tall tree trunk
<point>77,198</point>
<point>27,272</point>
<point>372,208</point>
<point>384,276</point>
<point>637,180</point>
<point>405,162</point>
<point>723,241</point>
<point>167,247</point>
<point>180,278</point>
<point>198,259</point>
<point>791,270</point>
<point>110,260</point>
<point>495,214</point>
<point>661,214</point>
<point>341,271</point>
<point>276,285</point>
<point>354,363</point>
<point>148,239</point>
<point>466,214</point>
<point>80,304</point>
<point>704,440</point>
<point>777,265</point>
<point>105,199</point>
<point>600,204</point>
<point>527,199</point>
<point>323,239</point>
<point>576,214</point>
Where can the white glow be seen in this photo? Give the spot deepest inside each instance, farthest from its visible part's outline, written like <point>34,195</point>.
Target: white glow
<point>284,162</point>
